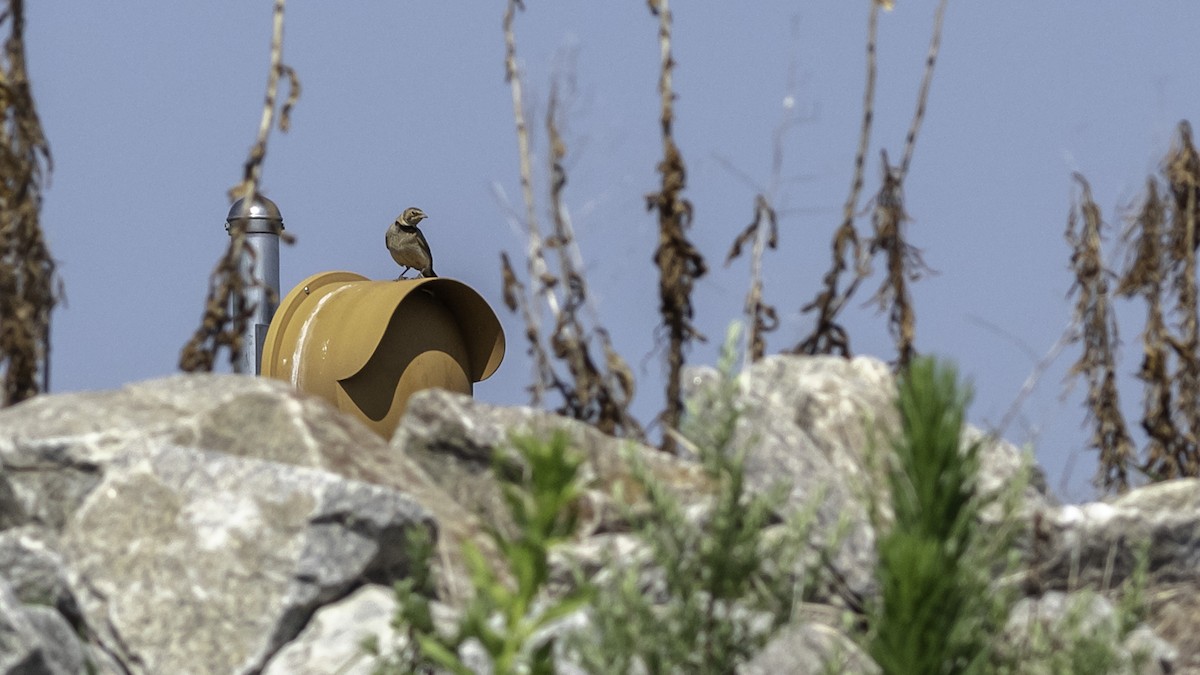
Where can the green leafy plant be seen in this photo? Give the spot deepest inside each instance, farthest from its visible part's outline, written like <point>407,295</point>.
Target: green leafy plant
<point>504,616</point>
<point>934,615</point>
<point>415,617</point>
<point>1087,637</point>
<point>718,587</point>
<point>1132,604</point>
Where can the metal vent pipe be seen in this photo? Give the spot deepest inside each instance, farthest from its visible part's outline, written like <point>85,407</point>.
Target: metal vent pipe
<point>260,269</point>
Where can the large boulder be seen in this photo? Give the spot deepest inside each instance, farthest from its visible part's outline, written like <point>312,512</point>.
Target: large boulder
<point>180,557</point>
<point>822,426</point>
<point>202,519</point>
<point>55,447</point>
<point>458,442</point>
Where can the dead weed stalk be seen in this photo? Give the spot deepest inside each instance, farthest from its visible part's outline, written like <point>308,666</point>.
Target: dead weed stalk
<point>598,395</point>
<point>29,288</point>
<point>828,335</point>
<point>225,309</point>
<point>514,292</point>
<point>1161,269</point>
<point>679,262</point>
<point>1182,173</point>
<point>1098,333</point>
<point>763,232</point>
<point>903,261</point>
<point>1145,275</point>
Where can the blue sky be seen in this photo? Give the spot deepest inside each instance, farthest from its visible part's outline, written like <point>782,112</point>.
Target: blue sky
<point>150,110</point>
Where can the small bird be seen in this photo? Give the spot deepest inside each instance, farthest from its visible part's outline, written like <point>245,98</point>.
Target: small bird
<point>407,244</point>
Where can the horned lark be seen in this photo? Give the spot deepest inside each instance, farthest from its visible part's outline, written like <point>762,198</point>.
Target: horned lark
<point>407,244</point>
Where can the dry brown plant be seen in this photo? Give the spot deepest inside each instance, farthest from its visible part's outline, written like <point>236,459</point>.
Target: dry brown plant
<point>600,395</point>
<point>763,233</point>
<point>1161,269</point>
<point>29,287</point>
<point>1182,169</point>
<point>225,309</point>
<point>517,299</point>
<point>1146,275</point>
<point>535,261</point>
<point>1097,330</point>
<point>28,284</point>
<point>1179,454</point>
<point>903,261</point>
<point>679,262</point>
<point>828,335</point>
<point>1182,172</point>
<point>594,393</point>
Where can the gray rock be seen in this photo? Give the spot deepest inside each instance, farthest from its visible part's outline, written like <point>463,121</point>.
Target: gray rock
<point>822,425</point>
<point>54,449</point>
<point>1150,652</point>
<point>1096,543</point>
<point>20,648</point>
<point>811,648</point>
<point>35,640</point>
<point>807,423</point>
<point>60,645</point>
<point>181,557</point>
<point>332,641</point>
<point>1059,632</point>
<point>456,439</point>
<point>30,561</point>
<point>210,519</point>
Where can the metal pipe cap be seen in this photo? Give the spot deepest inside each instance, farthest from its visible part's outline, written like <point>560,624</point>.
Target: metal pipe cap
<point>264,215</point>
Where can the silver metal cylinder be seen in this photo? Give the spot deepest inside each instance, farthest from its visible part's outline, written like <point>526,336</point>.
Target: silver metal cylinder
<point>260,270</point>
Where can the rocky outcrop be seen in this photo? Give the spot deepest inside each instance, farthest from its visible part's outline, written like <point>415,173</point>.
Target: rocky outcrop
<point>333,640</point>
<point>246,549</point>
<point>1063,628</point>
<point>228,524</point>
<point>195,524</point>
<point>1098,546</point>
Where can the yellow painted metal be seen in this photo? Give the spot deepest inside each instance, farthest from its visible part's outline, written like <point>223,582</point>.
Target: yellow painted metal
<point>366,346</point>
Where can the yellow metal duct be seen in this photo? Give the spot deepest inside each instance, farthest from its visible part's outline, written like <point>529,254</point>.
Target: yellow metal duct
<point>366,346</point>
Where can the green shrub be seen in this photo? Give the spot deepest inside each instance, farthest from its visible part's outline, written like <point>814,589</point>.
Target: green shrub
<point>504,617</point>
<point>718,587</point>
<point>934,614</point>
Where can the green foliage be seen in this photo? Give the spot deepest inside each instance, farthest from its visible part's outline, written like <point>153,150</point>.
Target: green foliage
<point>713,588</point>
<point>934,612</point>
<point>724,586</point>
<point>1075,645</point>
<point>1081,640</point>
<point>1132,605</point>
<point>414,616</point>
<point>940,610</point>
<point>503,617</point>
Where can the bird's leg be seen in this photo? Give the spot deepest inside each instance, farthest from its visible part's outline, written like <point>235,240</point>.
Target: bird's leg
<point>406,271</point>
